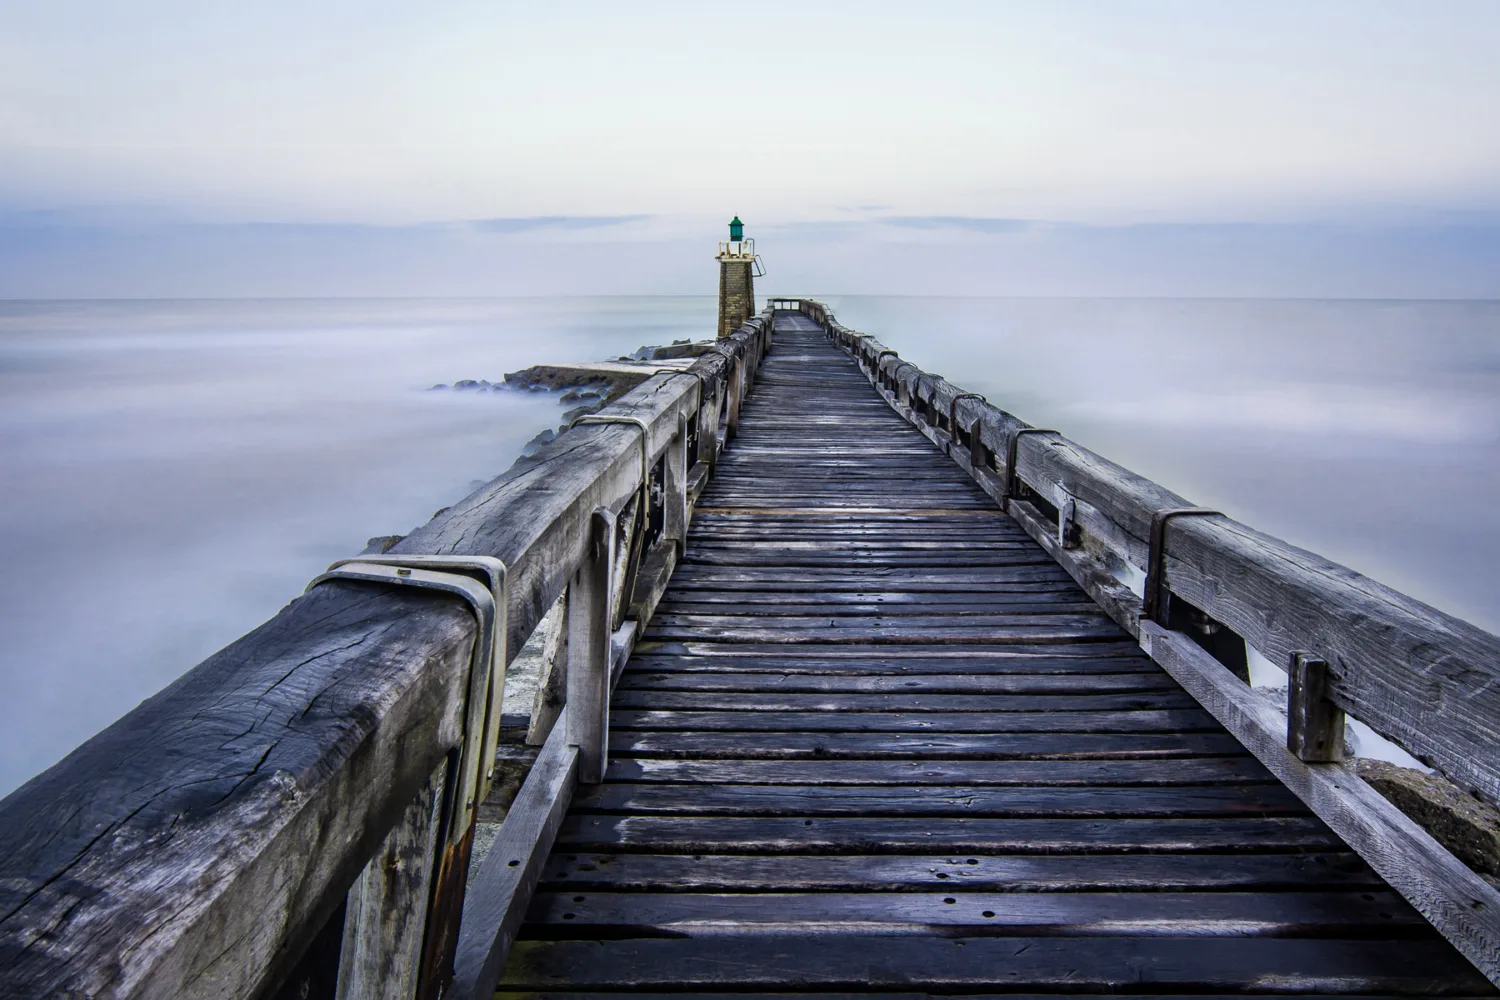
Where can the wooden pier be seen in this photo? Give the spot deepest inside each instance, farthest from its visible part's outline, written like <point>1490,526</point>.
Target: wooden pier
<point>857,703</point>
<point>875,738</point>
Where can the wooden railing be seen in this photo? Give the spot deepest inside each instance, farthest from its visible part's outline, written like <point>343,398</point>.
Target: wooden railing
<point>1421,678</point>
<point>295,814</point>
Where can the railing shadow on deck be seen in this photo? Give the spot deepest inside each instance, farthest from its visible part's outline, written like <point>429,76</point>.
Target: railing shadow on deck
<point>294,815</point>
<point>1212,586</point>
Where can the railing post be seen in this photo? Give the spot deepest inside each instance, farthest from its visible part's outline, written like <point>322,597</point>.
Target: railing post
<point>385,918</point>
<point>708,426</point>
<point>674,486</point>
<point>1315,725</point>
<point>589,649</point>
<point>736,394</point>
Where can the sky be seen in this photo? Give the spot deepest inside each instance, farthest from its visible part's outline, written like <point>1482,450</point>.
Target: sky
<point>1062,147</point>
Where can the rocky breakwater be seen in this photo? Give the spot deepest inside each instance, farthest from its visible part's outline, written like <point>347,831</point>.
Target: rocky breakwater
<point>587,386</point>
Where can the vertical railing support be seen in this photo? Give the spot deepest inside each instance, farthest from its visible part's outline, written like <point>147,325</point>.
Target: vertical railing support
<point>386,916</point>
<point>674,486</point>
<point>589,649</point>
<point>1315,725</point>
<point>736,394</point>
<point>708,425</point>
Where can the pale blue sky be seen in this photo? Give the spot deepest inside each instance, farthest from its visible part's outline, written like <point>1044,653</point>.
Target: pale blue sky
<point>1106,113</point>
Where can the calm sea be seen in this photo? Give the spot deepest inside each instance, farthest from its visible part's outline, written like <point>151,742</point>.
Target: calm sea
<point>172,472</point>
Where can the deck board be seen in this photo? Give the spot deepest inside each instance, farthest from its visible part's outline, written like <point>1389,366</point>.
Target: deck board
<point>875,740</point>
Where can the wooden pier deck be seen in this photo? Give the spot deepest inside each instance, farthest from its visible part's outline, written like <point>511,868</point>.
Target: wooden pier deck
<point>876,740</point>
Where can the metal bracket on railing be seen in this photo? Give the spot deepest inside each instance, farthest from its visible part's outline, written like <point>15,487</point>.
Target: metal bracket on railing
<point>953,411</point>
<point>645,428</point>
<point>1151,604</point>
<point>491,603</point>
<point>1010,457</point>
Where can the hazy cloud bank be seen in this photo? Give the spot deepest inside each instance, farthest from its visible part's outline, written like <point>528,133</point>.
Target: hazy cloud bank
<point>44,256</point>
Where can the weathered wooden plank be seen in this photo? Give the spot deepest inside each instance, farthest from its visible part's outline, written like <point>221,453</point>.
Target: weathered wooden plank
<point>643,678</point>
<point>1146,721</point>
<point>759,835</point>
<point>1242,770</point>
<point>820,799</point>
<point>776,994</point>
<point>866,578</point>
<point>1169,914</point>
<point>838,604</point>
<point>1051,628</point>
<point>971,657</point>
<point>874,672</point>
<point>1114,964</point>
<point>877,873</point>
<point>766,701</point>
<point>954,746</point>
<point>993,617</point>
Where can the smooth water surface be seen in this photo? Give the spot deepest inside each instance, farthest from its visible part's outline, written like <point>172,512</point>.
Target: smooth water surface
<point>173,472</point>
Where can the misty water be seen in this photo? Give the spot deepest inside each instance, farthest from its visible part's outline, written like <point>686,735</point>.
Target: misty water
<point>171,473</point>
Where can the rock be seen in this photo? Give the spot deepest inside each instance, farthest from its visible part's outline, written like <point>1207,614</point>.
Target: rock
<point>579,411</point>
<point>1467,827</point>
<point>440,385</point>
<point>536,444</point>
<point>466,383</point>
<point>380,544</point>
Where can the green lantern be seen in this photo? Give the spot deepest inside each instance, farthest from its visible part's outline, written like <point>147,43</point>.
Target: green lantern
<point>736,230</point>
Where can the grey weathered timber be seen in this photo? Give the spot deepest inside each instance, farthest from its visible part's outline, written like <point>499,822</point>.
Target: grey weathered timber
<point>589,652</point>
<point>386,912</point>
<point>877,737</point>
<point>197,846</point>
<point>1315,725</point>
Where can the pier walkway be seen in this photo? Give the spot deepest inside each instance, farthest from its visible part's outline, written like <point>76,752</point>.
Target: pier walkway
<point>875,739</point>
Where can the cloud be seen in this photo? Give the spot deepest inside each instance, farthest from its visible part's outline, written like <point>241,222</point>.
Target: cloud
<point>530,223</point>
<point>968,223</point>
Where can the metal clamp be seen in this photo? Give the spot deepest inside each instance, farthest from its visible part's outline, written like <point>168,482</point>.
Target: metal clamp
<point>1151,603</point>
<point>1010,456</point>
<point>953,411</point>
<point>486,688</point>
<point>619,418</point>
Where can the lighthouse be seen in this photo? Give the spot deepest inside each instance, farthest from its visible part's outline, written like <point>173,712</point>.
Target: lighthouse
<point>738,269</point>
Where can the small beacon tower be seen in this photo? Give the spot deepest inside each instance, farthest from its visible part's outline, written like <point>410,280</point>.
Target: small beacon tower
<point>738,269</point>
